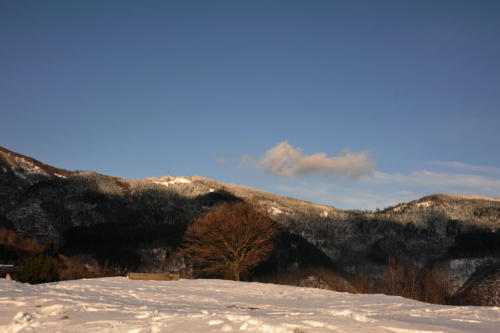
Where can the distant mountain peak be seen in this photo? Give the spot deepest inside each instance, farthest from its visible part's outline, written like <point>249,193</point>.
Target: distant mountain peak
<point>19,162</point>
<point>458,196</point>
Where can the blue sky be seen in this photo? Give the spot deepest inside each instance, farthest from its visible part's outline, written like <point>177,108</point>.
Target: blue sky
<point>356,104</point>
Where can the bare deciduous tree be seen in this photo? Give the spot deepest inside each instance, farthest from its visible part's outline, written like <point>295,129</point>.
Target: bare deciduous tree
<point>427,285</point>
<point>229,241</point>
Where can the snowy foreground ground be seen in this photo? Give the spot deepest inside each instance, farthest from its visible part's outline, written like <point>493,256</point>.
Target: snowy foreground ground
<point>121,305</point>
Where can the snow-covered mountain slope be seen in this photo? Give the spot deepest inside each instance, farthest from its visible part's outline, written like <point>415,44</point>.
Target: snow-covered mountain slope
<point>89,213</point>
<point>121,305</point>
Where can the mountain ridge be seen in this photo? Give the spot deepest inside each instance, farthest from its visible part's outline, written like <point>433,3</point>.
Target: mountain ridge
<point>140,223</point>
<point>18,160</point>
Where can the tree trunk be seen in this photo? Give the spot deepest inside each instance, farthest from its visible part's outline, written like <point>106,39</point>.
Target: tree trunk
<point>236,270</point>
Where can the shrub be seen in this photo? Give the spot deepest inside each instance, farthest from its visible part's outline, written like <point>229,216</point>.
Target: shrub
<point>321,278</point>
<point>39,269</point>
<point>428,285</point>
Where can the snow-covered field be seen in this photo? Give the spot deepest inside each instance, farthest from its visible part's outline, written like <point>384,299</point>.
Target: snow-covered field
<point>121,305</point>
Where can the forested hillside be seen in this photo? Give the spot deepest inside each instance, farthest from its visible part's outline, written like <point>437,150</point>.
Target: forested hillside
<point>132,225</point>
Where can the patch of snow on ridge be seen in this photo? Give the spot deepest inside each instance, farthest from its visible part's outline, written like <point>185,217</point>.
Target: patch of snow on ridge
<point>29,166</point>
<point>424,204</point>
<point>181,180</point>
<point>24,168</point>
<point>121,305</point>
<point>161,183</point>
<point>20,175</point>
<point>166,181</point>
<point>398,208</point>
<point>275,211</point>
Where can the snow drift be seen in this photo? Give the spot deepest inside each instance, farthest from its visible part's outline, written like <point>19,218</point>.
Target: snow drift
<point>121,305</point>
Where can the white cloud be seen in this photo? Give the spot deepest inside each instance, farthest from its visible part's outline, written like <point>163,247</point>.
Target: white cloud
<point>242,160</point>
<point>381,189</point>
<point>346,198</point>
<point>286,161</point>
<point>221,159</point>
<point>433,180</point>
<point>373,189</point>
<point>245,159</point>
<point>316,194</point>
<point>468,167</point>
